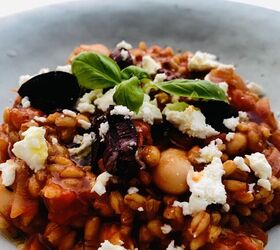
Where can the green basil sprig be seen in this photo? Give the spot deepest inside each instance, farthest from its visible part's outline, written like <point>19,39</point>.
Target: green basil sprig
<point>132,70</point>
<point>95,71</point>
<point>177,106</point>
<point>129,94</point>
<point>193,89</point>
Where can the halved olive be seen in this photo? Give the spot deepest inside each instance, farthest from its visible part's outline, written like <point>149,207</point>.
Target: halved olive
<point>51,91</point>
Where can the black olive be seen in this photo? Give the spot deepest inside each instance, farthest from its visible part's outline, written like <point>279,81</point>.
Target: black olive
<point>123,61</point>
<point>120,147</point>
<point>215,112</point>
<point>51,91</point>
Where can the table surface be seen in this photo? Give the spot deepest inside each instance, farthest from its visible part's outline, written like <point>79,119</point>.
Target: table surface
<point>15,6</point>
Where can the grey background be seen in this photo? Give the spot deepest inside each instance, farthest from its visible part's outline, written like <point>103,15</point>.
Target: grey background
<point>244,35</point>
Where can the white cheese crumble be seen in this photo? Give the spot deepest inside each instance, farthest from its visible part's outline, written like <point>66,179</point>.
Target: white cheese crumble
<point>121,110</point>
<point>132,190</point>
<point>25,102</point>
<point>166,229</point>
<point>149,112</point>
<point>202,61</point>
<point>255,88</point>
<point>231,123</point>
<point>124,45</point>
<point>8,170</point>
<point>172,246</point>
<point>223,86</point>
<point>43,71</point>
<point>40,119</point>
<point>103,129</point>
<point>124,54</point>
<point>104,101</point>
<point>191,121</point>
<point>229,136</point>
<point>23,79</point>
<point>243,116</point>
<point>85,141</point>
<point>84,124</point>
<point>159,77</point>
<point>33,148</point>
<point>226,207</point>
<point>251,187</point>
<point>264,183</point>
<point>99,186</point>
<point>65,68</point>
<point>240,163</point>
<point>54,140</point>
<point>107,245</point>
<point>209,152</point>
<point>206,188</point>
<point>140,209</point>
<point>84,104</point>
<point>69,112</point>
<point>150,65</point>
<point>261,167</point>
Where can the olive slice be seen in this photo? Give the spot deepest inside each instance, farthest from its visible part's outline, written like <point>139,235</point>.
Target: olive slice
<point>51,91</point>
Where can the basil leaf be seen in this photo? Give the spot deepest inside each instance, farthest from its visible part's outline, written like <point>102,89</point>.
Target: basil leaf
<point>129,94</point>
<point>193,89</point>
<point>135,71</point>
<point>177,106</point>
<point>95,71</point>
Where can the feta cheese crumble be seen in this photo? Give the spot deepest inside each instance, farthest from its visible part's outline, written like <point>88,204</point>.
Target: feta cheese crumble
<point>150,65</point>
<point>231,123</point>
<point>65,68</point>
<point>99,186</point>
<point>8,170</point>
<point>103,129</point>
<point>149,111</point>
<point>261,168</point>
<point>124,45</point>
<point>107,245</point>
<point>255,88</point>
<point>208,153</point>
<point>85,141</point>
<point>243,116</point>
<point>223,86</point>
<point>25,102</point>
<point>206,188</point>
<point>202,61</point>
<point>240,163</point>
<point>190,121</point>
<point>23,79</point>
<point>69,112</point>
<point>43,71</point>
<point>172,246</point>
<point>166,229</point>
<point>121,110</point>
<point>104,101</point>
<point>33,148</point>
<point>229,136</point>
<point>251,187</point>
<point>124,54</point>
<point>132,190</point>
<point>159,77</point>
<point>84,104</point>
